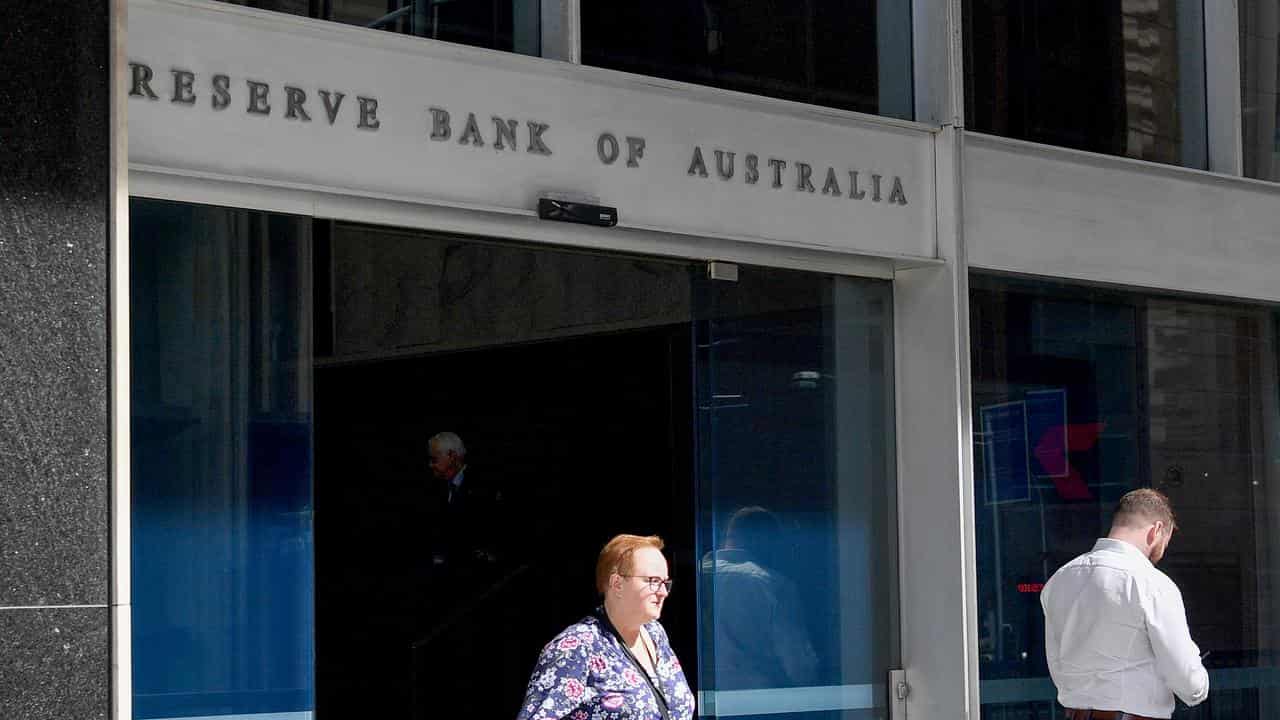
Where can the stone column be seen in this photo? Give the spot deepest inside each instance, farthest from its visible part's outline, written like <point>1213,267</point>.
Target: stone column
<point>55,423</point>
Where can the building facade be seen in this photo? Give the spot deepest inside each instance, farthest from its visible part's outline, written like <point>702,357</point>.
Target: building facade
<point>871,309</point>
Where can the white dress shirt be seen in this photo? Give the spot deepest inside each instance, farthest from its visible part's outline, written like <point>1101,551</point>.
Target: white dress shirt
<point>1116,635</point>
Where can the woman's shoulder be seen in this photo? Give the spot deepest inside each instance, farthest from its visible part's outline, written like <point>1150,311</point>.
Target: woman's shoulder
<point>585,631</point>
<point>658,633</point>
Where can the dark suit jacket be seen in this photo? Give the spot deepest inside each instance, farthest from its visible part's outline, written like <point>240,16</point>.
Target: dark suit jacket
<point>466,531</point>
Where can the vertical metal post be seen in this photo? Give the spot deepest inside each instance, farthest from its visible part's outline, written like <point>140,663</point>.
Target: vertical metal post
<point>561,30</point>
<point>1223,102</point>
<point>118,349</point>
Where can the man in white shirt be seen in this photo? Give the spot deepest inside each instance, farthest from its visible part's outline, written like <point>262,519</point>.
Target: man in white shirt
<point>1115,627</point>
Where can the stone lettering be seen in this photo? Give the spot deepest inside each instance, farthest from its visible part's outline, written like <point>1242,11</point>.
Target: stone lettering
<point>804,173</point>
<point>471,133</point>
<point>368,113</point>
<point>697,166</point>
<point>221,97</point>
<point>635,151</point>
<point>778,166</point>
<point>875,188</point>
<point>332,102</point>
<point>440,130</point>
<point>505,130</point>
<point>753,169</point>
<point>607,148</point>
<point>258,98</point>
<point>536,145</point>
<point>182,83</point>
<point>141,85</point>
<point>854,192</point>
<point>293,101</point>
<point>725,172</point>
<point>831,186</point>
<point>896,195</point>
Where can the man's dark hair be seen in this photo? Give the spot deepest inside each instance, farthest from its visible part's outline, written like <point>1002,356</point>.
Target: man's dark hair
<point>755,530</point>
<point>1143,506</point>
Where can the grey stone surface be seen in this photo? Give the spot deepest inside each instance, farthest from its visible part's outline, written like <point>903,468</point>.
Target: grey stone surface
<point>54,422</point>
<point>55,663</point>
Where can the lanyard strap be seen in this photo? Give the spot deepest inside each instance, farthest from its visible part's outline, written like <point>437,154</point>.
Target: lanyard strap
<point>603,617</point>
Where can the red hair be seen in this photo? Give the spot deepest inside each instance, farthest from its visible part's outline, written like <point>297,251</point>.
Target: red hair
<point>617,554</point>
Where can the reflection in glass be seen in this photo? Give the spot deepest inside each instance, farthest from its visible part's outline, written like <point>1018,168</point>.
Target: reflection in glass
<point>1259,67</point>
<point>797,531</point>
<point>1122,77</point>
<point>221,462</point>
<point>510,25</point>
<point>1119,391</point>
<point>851,54</point>
<point>761,638</point>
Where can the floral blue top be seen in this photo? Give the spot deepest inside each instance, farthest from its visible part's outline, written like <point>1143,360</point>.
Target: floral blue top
<point>585,674</point>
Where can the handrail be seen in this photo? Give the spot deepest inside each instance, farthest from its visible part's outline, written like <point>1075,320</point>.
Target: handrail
<point>460,613</point>
<point>391,16</point>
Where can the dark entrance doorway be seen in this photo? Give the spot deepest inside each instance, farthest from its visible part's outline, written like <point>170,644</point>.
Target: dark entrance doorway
<point>581,433</point>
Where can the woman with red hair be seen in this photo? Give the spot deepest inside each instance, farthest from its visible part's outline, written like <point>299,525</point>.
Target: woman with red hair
<point>616,662</point>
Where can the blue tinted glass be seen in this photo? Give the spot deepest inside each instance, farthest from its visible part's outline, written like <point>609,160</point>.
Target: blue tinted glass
<point>221,422</point>
<point>1120,391</point>
<point>797,526</point>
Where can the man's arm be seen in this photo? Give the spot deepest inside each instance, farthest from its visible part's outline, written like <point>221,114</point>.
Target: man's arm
<point>1177,656</point>
<point>1051,639</point>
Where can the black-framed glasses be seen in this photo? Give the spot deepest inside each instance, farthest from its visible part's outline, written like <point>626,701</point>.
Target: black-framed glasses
<point>653,581</point>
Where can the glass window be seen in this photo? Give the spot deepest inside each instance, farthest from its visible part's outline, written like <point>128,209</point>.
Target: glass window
<point>221,458</point>
<point>1122,77</point>
<point>1259,66</point>
<point>1081,395</point>
<point>288,369</point>
<point>850,54</point>
<point>511,25</point>
<point>797,520</point>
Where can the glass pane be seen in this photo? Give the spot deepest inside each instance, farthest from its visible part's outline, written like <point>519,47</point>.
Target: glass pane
<point>1114,391</point>
<point>851,54</point>
<point>221,422</point>
<point>510,25</point>
<point>1123,77</point>
<point>797,519</point>
<point>1259,67</point>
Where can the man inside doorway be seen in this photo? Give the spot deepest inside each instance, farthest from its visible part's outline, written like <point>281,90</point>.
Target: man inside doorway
<point>464,547</point>
<point>465,592</point>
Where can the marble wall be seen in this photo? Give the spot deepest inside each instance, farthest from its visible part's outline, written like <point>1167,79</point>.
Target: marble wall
<point>54,381</point>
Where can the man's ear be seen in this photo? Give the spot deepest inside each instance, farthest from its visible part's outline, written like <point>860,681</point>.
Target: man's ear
<point>1153,535</point>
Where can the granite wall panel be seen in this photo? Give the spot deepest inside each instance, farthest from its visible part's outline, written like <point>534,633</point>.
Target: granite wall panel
<point>55,663</point>
<point>54,417</point>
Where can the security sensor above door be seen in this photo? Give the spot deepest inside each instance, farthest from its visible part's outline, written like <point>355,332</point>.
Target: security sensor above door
<point>576,212</point>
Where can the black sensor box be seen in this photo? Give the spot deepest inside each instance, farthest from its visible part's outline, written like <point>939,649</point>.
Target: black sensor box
<point>576,212</point>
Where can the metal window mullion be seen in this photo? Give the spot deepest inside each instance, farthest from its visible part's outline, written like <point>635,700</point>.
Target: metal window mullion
<point>121,597</point>
<point>561,30</point>
<point>1224,106</point>
<point>937,49</point>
